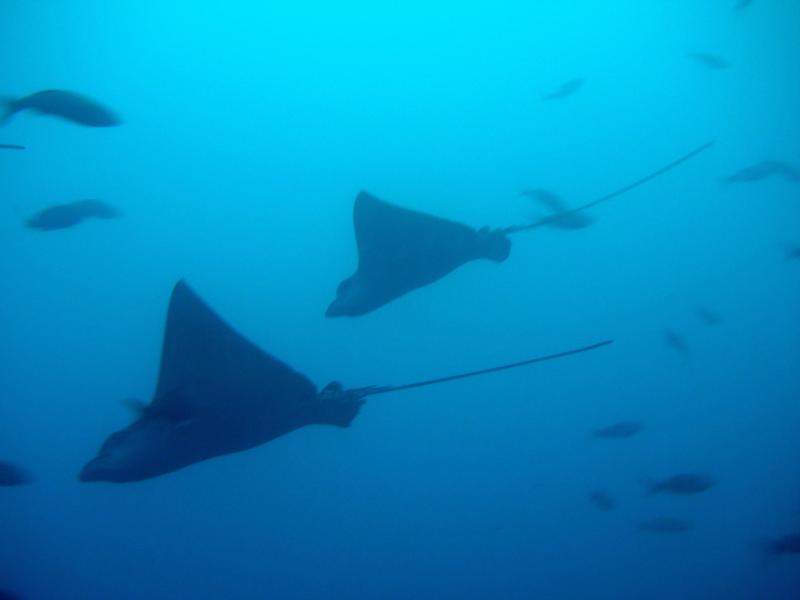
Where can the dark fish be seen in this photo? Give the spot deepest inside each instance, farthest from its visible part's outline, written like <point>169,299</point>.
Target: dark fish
<point>602,500</point>
<point>62,216</point>
<point>400,250</point>
<point>60,103</point>
<point>712,61</point>
<point>217,393</point>
<point>788,544</point>
<point>12,147</point>
<point>707,316</point>
<point>665,525</point>
<point>676,341</point>
<point>742,4</point>
<point>565,90</point>
<point>552,201</point>
<point>623,429</point>
<point>11,474</point>
<point>561,216</point>
<point>764,169</point>
<point>683,484</point>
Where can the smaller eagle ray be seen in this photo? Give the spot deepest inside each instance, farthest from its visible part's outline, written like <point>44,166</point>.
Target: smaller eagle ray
<point>400,250</point>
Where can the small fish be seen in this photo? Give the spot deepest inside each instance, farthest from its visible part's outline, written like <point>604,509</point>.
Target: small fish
<point>565,89</point>
<point>676,341</point>
<point>707,316</point>
<point>623,429</point>
<point>742,4</point>
<point>602,500</point>
<point>683,484</point>
<point>60,103</point>
<point>764,169</point>
<point>11,474</point>
<point>561,216</point>
<point>712,61</point>
<point>12,147</point>
<point>788,544</point>
<point>665,525</point>
<point>62,216</point>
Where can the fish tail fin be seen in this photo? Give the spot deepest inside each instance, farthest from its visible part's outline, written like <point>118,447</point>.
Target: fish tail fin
<point>6,109</point>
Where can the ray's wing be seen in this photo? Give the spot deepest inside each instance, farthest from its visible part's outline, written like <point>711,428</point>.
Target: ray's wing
<point>399,242</point>
<point>205,363</point>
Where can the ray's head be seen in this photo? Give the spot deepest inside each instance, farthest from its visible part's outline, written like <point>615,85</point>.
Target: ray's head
<point>149,447</point>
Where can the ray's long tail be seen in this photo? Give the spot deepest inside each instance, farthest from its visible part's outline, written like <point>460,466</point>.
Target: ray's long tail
<point>639,182</point>
<point>374,390</point>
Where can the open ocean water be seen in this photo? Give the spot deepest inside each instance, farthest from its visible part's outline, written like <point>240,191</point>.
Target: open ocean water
<point>243,133</point>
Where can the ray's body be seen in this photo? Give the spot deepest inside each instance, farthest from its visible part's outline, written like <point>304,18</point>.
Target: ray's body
<point>218,393</point>
<point>400,250</point>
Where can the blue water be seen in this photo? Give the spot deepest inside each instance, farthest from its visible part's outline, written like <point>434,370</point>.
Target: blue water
<point>249,129</point>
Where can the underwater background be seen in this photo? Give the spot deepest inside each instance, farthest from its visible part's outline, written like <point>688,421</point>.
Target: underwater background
<point>249,128</point>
